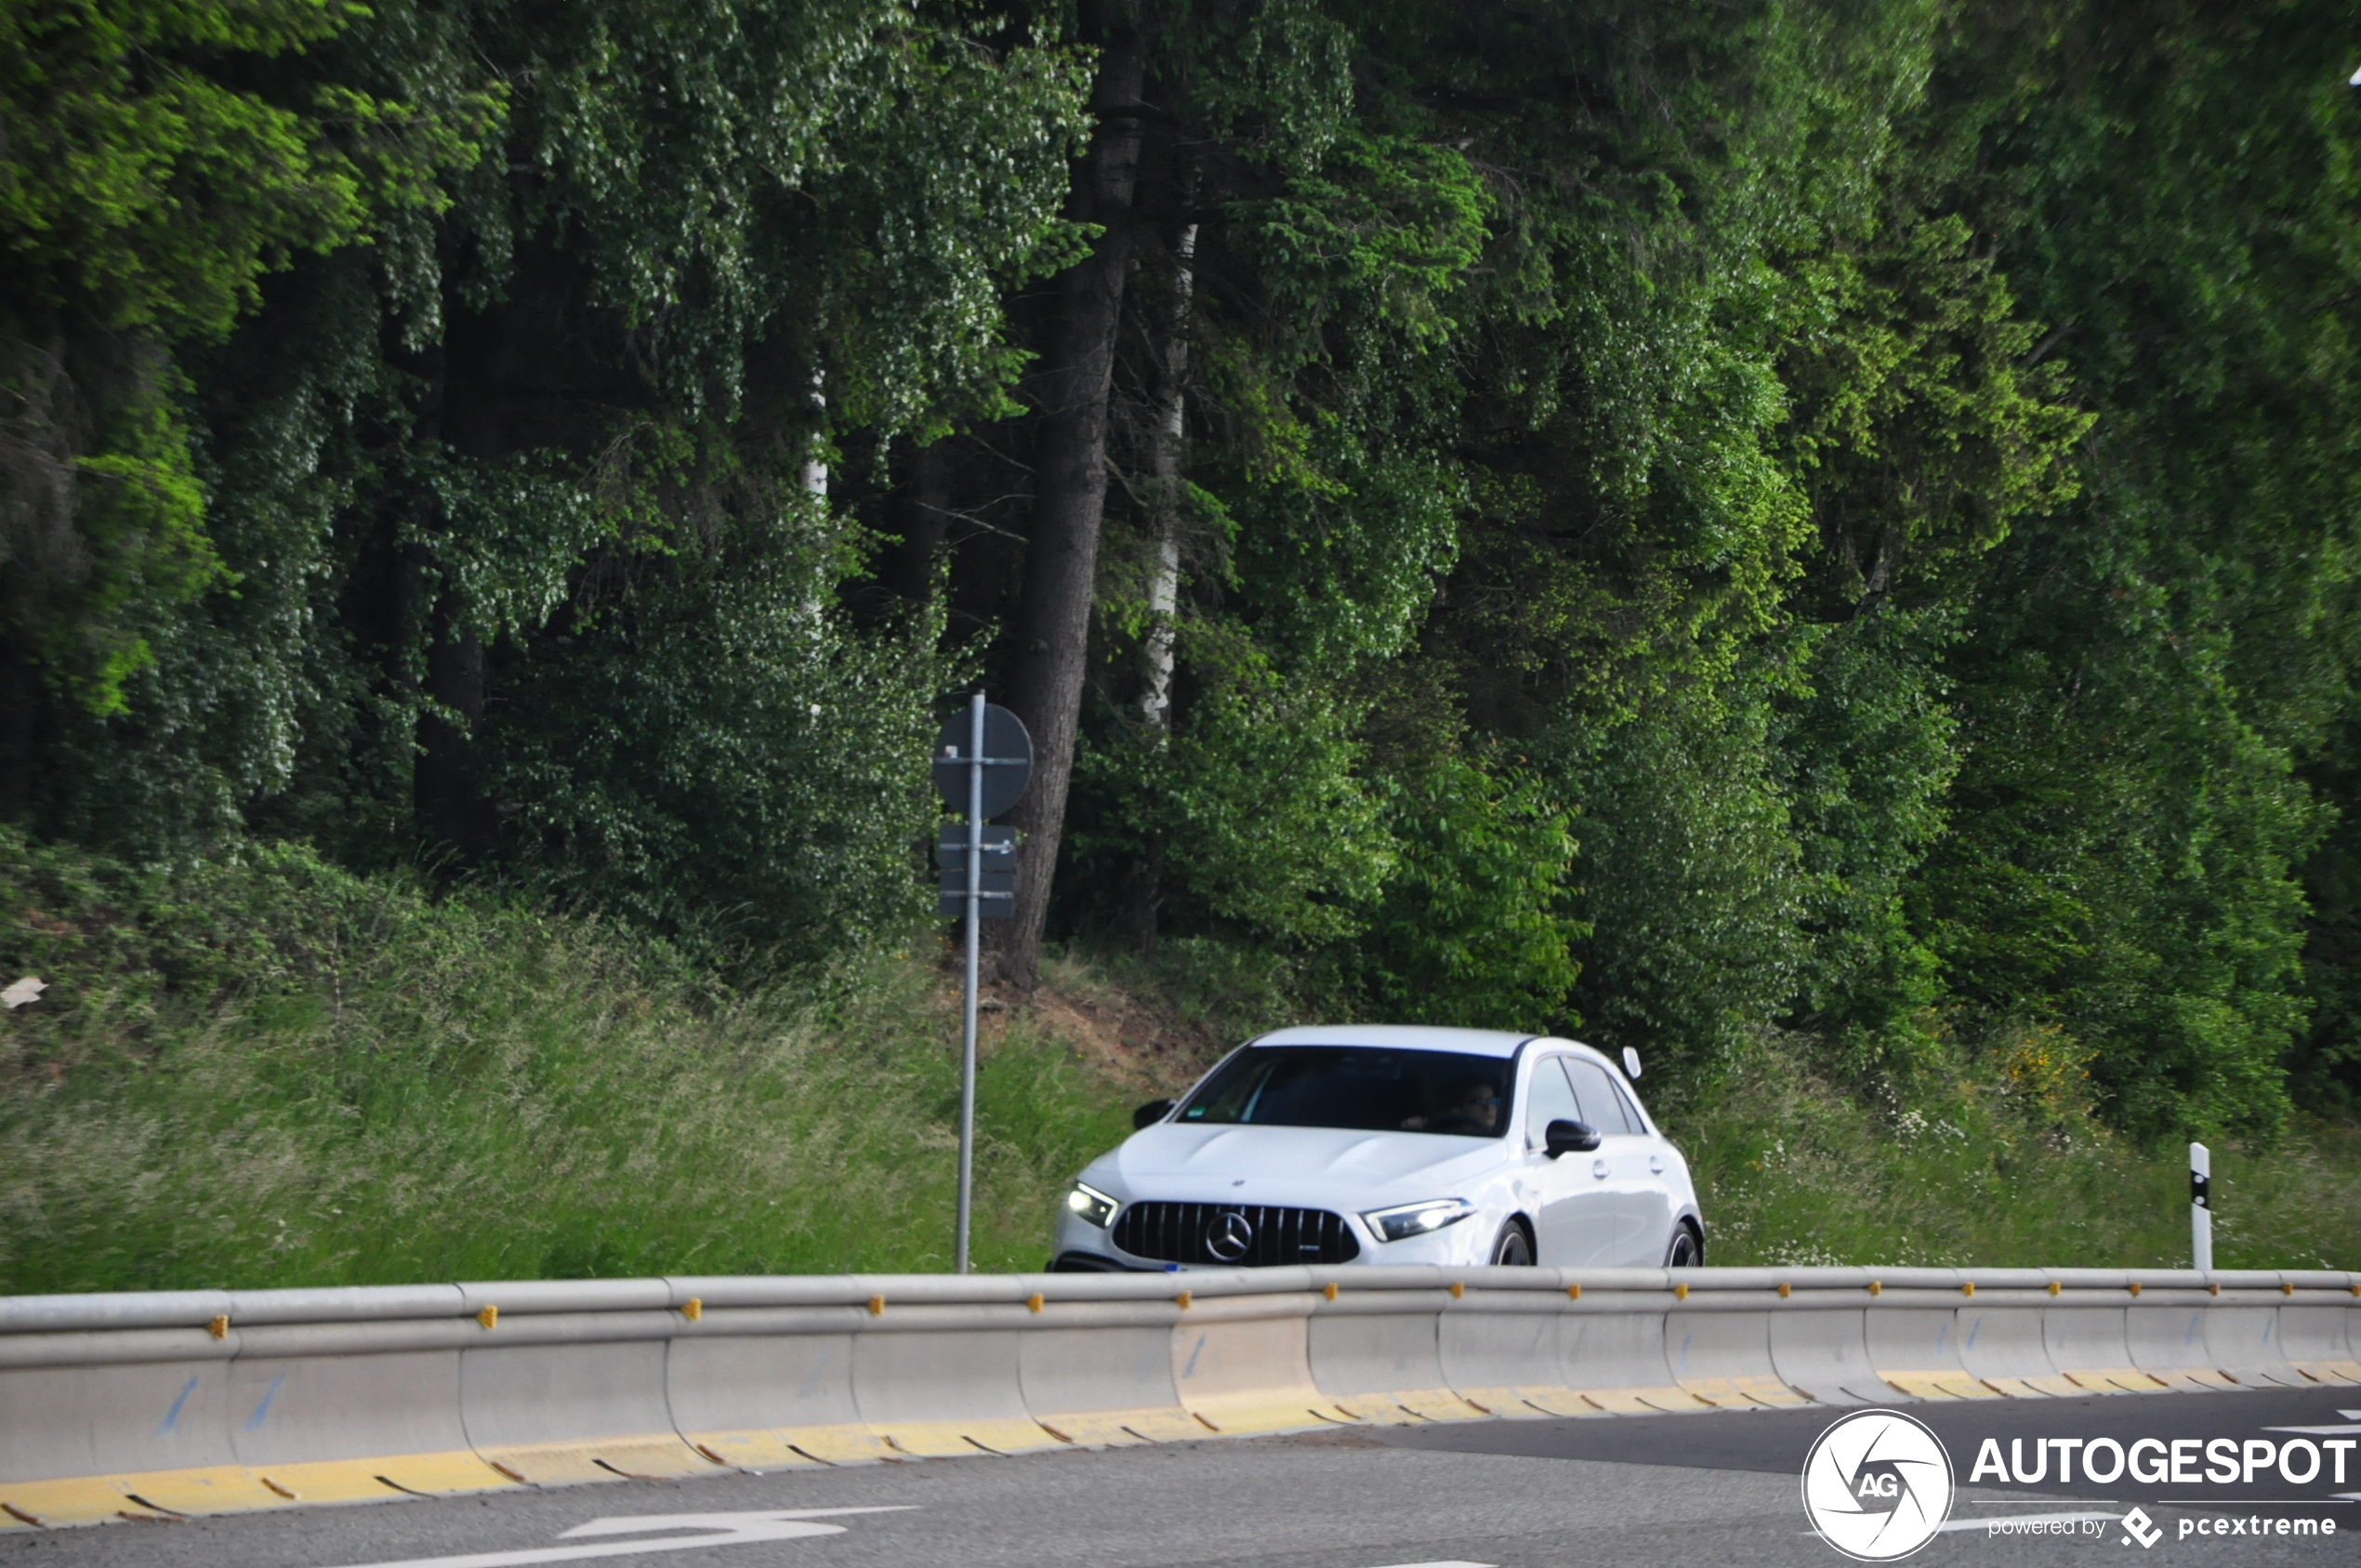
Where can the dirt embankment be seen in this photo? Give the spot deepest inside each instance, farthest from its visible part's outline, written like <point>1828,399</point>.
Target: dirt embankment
<point>1134,1040</point>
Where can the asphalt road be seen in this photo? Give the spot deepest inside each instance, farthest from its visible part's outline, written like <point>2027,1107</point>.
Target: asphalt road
<point>1721,1489</point>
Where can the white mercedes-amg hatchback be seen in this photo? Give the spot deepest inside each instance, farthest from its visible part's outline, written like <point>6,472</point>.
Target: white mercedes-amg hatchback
<point>1389,1144</point>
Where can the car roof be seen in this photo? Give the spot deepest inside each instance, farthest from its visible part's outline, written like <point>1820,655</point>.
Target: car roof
<point>1400,1036</point>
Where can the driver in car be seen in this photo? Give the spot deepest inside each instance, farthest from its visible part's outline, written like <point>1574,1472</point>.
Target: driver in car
<point>1475,1110</point>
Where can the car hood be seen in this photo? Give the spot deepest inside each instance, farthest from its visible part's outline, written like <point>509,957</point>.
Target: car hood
<point>1203,1162</point>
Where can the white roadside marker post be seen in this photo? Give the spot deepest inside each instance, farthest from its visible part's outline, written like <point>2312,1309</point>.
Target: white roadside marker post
<point>2200,1208</point>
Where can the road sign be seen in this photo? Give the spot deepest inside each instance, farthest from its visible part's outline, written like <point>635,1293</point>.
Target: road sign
<point>1000,849</point>
<point>995,899</point>
<point>1008,761</point>
<point>983,761</point>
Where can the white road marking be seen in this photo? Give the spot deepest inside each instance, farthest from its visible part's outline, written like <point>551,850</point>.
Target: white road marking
<point>1454,1564</point>
<point>2321,1431</point>
<point>732,1529</point>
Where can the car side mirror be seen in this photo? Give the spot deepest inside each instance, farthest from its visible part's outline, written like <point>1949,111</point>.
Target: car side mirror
<point>1570,1138</point>
<point>1152,1112</point>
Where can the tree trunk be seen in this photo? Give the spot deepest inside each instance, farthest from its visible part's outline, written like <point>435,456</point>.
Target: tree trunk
<point>456,811</point>
<point>1144,887</point>
<point>1164,586</point>
<point>1062,556</point>
<point>922,516</point>
<point>466,415</point>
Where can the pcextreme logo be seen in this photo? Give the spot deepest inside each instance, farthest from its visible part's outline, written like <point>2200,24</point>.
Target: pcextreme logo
<point>1877,1485</point>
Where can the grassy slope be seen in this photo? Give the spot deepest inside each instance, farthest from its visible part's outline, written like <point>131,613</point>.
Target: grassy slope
<point>287,1076</point>
<point>1789,1173</point>
<point>275,1074</point>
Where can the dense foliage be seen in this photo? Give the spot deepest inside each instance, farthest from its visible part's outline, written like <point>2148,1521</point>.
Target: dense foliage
<point>1788,527</point>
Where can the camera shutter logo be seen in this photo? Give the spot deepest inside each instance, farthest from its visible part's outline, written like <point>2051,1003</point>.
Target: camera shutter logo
<point>1877,1485</point>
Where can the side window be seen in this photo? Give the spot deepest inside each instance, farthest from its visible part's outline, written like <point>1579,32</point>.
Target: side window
<point>1601,1107</point>
<point>1549,1099</point>
<point>1630,1108</point>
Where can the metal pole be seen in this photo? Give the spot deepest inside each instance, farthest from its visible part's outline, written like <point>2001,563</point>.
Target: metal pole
<point>2200,1208</point>
<point>968,1002</point>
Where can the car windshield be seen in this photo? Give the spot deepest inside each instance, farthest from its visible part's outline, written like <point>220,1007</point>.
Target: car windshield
<point>1357,1087</point>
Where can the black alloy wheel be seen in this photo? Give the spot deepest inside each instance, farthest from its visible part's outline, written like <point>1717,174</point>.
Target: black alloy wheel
<point>1686,1252</point>
<point>1513,1249</point>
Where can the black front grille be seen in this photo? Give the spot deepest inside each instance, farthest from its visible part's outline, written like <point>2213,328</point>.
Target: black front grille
<point>1189,1233</point>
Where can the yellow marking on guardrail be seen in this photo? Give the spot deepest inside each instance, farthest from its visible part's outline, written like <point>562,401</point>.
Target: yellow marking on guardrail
<point>952,1440</point>
<point>1276,1411</point>
<point>489,1317</point>
<point>219,1327</point>
<point>1124,1429</point>
<point>1644,1401</point>
<point>694,1308</point>
<point>1740,1393</point>
<point>844,1444</point>
<point>2115,1379</point>
<point>2049,1386</point>
<point>2329,1371</point>
<point>53,1504</point>
<point>877,1306</point>
<point>1427,1404</point>
<point>202,1490</point>
<point>1941,1384</point>
<point>1536,1400</point>
<point>758,1450</point>
<point>649,1456</point>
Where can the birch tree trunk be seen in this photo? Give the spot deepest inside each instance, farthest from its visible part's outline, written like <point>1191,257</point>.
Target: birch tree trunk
<point>1144,884</point>
<point>1163,584</point>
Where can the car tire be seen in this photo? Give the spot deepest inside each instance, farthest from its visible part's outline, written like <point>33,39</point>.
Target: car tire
<point>1687,1248</point>
<point>1513,1248</point>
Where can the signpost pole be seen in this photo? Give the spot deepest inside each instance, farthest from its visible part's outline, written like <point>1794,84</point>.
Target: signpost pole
<point>965,890</point>
<point>968,1002</point>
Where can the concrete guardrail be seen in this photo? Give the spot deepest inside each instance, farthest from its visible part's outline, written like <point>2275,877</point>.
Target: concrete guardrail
<point>184,1403</point>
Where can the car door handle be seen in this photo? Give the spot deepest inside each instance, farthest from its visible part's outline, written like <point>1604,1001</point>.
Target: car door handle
<point>1655,1165</point>
<point>1599,1168</point>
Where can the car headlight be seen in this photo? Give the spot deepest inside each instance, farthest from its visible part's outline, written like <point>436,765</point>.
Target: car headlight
<point>1417,1219</point>
<point>1092,1205</point>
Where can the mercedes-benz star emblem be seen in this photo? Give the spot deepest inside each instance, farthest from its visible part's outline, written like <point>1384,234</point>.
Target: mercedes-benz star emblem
<point>1228,1234</point>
